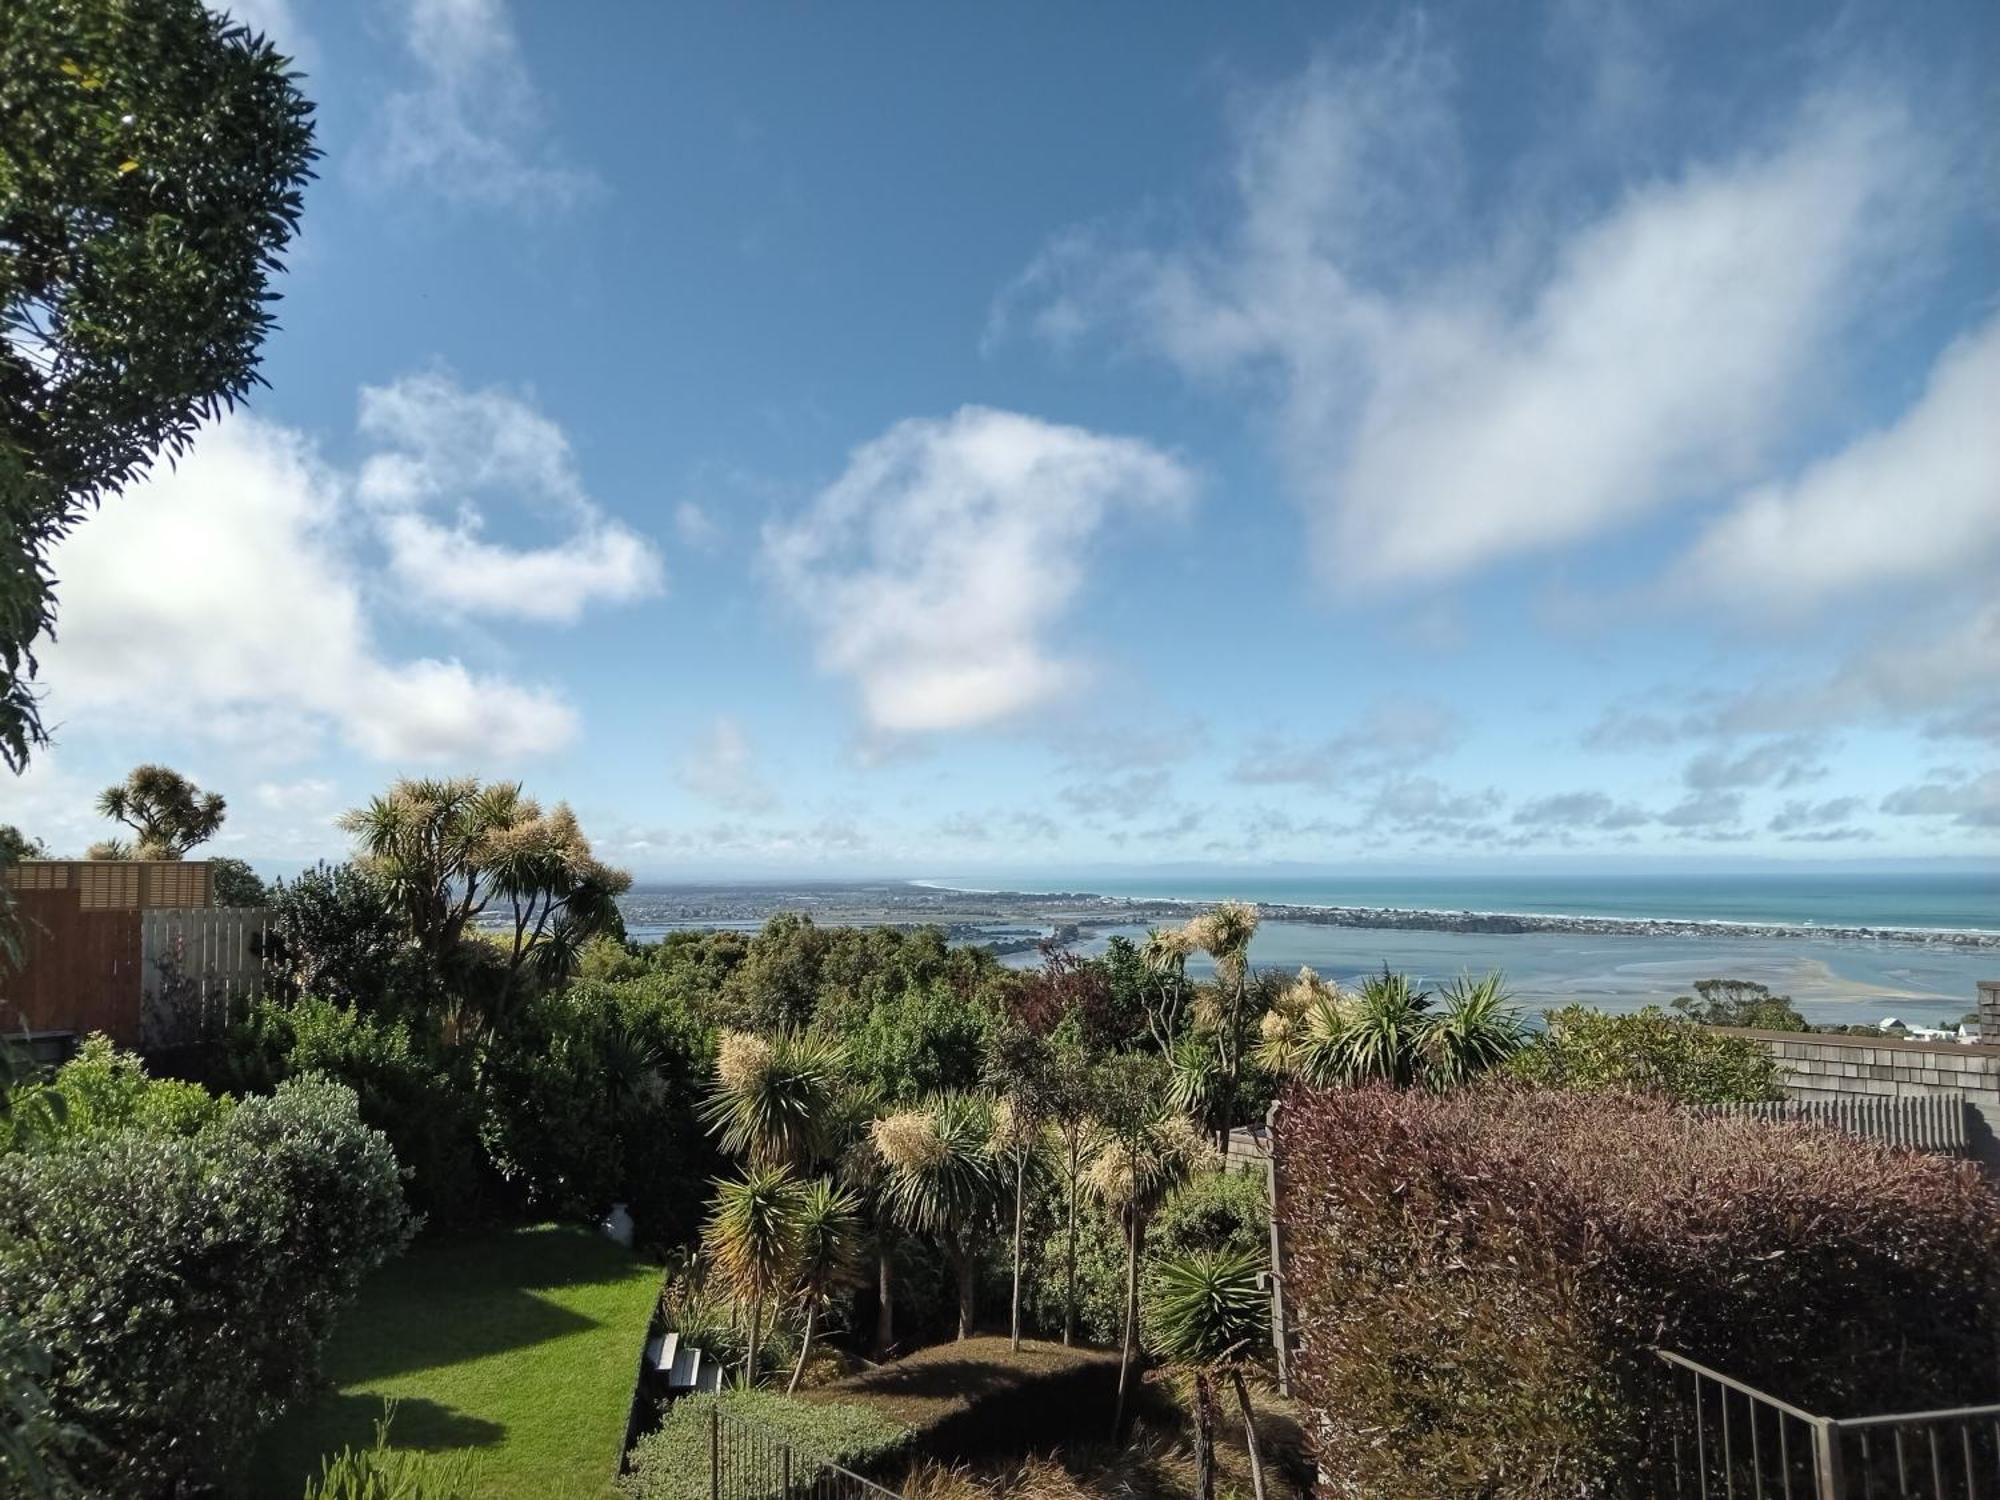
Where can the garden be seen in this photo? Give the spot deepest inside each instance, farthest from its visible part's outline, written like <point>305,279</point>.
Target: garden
<point>924,1216</point>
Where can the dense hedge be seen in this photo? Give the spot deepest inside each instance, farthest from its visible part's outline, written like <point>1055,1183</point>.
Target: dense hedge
<point>183,1283</point>
<point>672,1462</point>
<point>1476,1279</point>
<point>976,1396</point>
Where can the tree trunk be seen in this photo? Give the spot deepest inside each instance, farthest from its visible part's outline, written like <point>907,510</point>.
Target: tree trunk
<point>750,1354</point>
<point>1128,1348</point>
<point>1020,1195</point>
<point>1250,1443</point>
<point>885,1295</point>
<point>1069,1274</point>
<point>806,1344</point>
<point>1204,1435</point>
<point>965,1264</point>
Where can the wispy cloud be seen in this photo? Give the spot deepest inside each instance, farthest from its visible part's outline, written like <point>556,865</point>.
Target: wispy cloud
<point>471,126</point>
<point>723,769</point>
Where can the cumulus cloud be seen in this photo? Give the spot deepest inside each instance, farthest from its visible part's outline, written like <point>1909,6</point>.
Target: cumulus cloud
<point>1917,500</point>
<point>723,769</point>
<point>441,448</point>
<point>1705,810</point>
<point>470,126</point>
<point>222,595</point>
<point>1126,798</point>
<point>936,566</point>
<point>1394,735</point>
<point>1450,395</point>
<point>1819,822</point>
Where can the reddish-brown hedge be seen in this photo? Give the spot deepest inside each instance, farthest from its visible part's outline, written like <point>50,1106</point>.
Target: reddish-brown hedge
<point>1476,1278</point>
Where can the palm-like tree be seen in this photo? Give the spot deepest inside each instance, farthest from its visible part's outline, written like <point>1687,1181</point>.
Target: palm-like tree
<point>1477,1030</point>
<point>1164,955</point>
<point>1149,1151</point>
<point>1207,1313</point>
<point>1224,933</point>
<point>776,1101</point>
<point>753,1238</point>
<point>943,1180</point>
<point>829,1255</point>
<point>1300,1035</point>
<point>1382,1036</point>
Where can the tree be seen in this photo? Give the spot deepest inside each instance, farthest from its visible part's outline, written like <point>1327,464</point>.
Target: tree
<point>1740,1002</point>
<point>1071,1107</point>
<point>236,884</point>
<point>167,813</point>
<point>16,846</point>
<point>1647,1051</point>
<point>1389,1032</point>
<point>1019,1070</point>
<point>1224,933</point>
<point>1164,956</point>
<point>944,1181</point>
<point>829,1230</point>
<point>1208,1311</point>
<point>752,1238</point>
<point>152,160</point>
<point>777,1101</point>
<point>450,851</point>
<point>1149,1150</point>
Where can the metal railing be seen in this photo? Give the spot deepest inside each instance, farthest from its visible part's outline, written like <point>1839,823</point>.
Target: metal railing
<point>1716,1438</point>
<point>747,1462</point>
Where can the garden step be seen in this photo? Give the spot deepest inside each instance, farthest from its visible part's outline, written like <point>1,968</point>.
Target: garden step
<point>661,1353</point>
<point>685,1368</point>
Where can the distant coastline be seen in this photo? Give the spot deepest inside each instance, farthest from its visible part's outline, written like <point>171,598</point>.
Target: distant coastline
<point>1508,922</point>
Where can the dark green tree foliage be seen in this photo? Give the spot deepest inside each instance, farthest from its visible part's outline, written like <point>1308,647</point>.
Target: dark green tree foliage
<point>590,1099</point>
<point>1740,1002</point>
<point>34,1444</point>
<point>16,846</point>
<point>184,1284</point>
<point>923,1040</point>
<point>152,161</point>
<point>420,1099</point>
<point>236,884</point>
<point>335,934</point>
<point>1477,1278</point>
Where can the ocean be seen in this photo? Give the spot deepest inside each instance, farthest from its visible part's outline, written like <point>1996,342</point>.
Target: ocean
<point>1953,901</point>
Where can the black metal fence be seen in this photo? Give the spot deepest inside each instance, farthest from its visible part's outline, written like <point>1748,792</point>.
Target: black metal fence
<point>1716,1438</point>
<point>747,1462</point>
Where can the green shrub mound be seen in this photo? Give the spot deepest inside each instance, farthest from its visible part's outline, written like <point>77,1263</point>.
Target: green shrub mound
<point>1477,1279</point>
<point>671,1463</point>
<point>1646,1051</point>
<point>977,1396</point>
<point>183,1281</point>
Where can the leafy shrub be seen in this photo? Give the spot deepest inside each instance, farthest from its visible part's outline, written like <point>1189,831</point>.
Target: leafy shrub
<point>976,1396</point>
<point>672,1462</point>
<point>335,933</point>
<point>1476,1278</point>
<point>102,1088</point>
<point>34,1445</point>
<point>589,1099</point>
<point>184,1284</point>
<point>381,1472</point>
<point>1216,1211</point>
<point>236,884</point>
<point>1647,1051</point>
<point>417,1100</point>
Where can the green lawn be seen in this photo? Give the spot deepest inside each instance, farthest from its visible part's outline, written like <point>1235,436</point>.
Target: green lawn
<point>518,1347</point>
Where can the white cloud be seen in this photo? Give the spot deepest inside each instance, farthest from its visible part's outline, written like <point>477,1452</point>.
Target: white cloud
<point>1439,407</point>
<point>443,447</point>
<point>696,528</point>
<point>310,794</point>
<point>1917,500</point>
<point>471,129</point>
<point>723,770</point>
<point>220,595</point>
<point>935,566</point>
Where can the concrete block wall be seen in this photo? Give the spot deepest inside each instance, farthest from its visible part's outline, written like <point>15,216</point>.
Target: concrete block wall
<point>1824,1066</point>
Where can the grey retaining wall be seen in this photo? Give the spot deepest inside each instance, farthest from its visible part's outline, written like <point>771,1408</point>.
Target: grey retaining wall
<point>1822,1066</point>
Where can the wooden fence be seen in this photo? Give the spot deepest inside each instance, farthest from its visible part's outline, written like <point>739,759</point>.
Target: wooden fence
<point>79,969</point>
<point>199,968</point>
<point>145,977</point>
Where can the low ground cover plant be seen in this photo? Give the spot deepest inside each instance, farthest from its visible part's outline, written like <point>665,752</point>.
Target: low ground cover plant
<point>1476,1279</point>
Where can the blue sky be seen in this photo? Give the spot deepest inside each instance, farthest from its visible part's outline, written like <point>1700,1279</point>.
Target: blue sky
<point>921,439</point>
